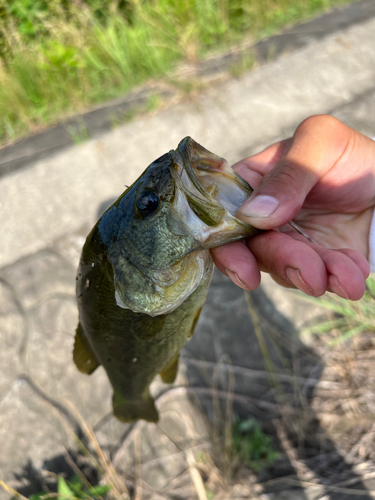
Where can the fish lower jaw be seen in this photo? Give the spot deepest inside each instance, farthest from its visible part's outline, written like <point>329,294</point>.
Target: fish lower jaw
<point>228,230</point>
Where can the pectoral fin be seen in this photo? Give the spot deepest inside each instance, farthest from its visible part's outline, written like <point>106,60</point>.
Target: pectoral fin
<point>83,356</point>
<point>195,322</point>
<point>168,375</point>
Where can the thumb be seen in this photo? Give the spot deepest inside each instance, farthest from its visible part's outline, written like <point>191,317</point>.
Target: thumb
<point>314,150</point>
<point>279,197</point>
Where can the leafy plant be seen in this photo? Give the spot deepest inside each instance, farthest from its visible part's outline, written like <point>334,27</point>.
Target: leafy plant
<point>73,489</point>
<point>251,445</point>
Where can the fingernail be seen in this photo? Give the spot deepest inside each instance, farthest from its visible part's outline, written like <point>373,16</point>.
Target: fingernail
<point>236,280</point>
<point>335,287</point>
<point>260,206</point>
<point>294,276</point>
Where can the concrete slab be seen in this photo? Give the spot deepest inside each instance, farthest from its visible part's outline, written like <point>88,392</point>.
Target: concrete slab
<point>30,435</point>
<point>14,330</point>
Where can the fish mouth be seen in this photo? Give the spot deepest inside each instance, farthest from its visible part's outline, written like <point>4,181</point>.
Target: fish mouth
<point>208,195</point>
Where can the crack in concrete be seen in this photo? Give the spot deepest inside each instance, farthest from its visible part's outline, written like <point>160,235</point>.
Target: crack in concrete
<point>64,411</point>
<point>24,315</point>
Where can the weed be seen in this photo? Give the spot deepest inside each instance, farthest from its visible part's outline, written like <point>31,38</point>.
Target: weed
<point>349,318</point>
<point>115,120</point>
<point>246,63</point>
<point>66,490</point>
<point>78,132</point>
<point>73,489</point>
<point>251,446</point>
<point>128,115</point>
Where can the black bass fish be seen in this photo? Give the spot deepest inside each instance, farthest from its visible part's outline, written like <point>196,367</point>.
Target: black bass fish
<point>145,270</point>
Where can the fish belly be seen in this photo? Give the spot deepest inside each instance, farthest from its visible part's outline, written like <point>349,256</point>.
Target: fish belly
<point>156,355</point>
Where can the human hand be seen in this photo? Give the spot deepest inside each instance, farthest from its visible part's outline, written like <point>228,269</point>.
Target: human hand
<point>324,179</point>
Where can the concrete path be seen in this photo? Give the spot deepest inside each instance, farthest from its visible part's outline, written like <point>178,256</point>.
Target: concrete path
<point>47,209</point>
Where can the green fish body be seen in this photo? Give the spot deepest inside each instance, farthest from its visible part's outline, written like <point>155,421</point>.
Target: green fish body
<point>145,270</point>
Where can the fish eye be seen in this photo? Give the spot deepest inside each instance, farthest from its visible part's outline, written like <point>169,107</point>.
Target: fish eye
<point>147,203</point>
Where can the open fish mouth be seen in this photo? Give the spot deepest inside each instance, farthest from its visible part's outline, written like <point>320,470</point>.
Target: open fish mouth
<point>209,193</point>
<point>212,175</point>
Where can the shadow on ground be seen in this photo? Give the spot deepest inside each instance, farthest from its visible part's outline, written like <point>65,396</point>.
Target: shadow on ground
<point>246,350</point>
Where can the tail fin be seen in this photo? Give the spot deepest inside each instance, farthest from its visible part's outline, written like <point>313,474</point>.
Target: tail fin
<point>128,411</point>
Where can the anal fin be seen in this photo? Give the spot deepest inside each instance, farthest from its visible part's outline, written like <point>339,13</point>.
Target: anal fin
<point>83,356</point>
<point>168,375</point>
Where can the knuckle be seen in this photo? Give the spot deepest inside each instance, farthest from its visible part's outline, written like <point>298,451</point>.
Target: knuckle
<point>286,174</point>
<point>319,123</point>
<point>289,171</point>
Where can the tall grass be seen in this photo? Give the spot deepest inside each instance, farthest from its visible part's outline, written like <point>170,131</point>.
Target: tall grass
<point>60,56</point>
<point>348,319</point>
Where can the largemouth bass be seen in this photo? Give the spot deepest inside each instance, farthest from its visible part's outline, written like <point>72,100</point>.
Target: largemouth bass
<point>145,270</point>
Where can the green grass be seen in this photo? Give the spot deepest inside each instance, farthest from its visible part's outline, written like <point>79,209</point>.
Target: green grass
<point>348,319</point>
<point>59,57</point>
